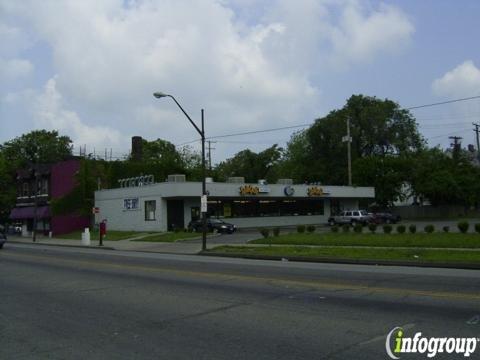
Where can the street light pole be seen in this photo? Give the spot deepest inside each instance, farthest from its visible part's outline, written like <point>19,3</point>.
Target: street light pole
<point>160,95</point>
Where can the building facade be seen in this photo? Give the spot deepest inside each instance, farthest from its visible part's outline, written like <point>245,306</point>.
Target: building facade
<point>37,186</point>
<point>173,204</point>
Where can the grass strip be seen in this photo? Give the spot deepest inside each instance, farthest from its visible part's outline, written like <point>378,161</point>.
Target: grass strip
<point>411,255</point>
<point>169,237</point>
<point>434,240</point>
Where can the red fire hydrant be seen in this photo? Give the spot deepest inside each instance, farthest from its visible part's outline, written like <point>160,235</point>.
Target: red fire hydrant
<point>103,230</point>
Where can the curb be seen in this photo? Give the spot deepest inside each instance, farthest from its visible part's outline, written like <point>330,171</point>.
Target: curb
<point>62,245</point>
<point>468,266</point>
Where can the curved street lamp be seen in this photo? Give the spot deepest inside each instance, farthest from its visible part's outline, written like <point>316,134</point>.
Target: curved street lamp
<point>201,131</point>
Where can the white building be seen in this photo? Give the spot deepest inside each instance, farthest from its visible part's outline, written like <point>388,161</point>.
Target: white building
<point>174,203</point>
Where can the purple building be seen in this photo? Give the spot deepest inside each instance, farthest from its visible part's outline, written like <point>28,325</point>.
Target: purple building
<point>52,182</point>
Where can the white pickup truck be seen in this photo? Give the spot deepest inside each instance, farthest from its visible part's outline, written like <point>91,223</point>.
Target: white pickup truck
<point>351,217</point>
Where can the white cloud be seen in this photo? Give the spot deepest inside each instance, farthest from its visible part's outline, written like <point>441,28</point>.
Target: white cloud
<point>252,74</point>
<point>464,80</point>
<point>49,113</point>
<point>361,36</point>
<point>14,68</point>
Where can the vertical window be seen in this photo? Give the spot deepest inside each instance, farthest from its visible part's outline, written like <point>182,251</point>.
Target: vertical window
<point>150,208</point>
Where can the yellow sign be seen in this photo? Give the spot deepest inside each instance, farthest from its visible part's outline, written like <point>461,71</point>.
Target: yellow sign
<point>315,191</point>
<point>249,190</point>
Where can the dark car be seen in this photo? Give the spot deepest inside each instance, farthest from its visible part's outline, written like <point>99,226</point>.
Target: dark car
<point>386,218</point>
<point>213,225</point>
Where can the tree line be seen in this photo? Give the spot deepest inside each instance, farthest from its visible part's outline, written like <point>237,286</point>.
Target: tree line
<point>387,152</point>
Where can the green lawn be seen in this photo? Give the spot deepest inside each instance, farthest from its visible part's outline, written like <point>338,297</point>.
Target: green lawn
<point>440,240</point>
<point>170,237</point>
<point>112,235</point>
<point>414,255</point>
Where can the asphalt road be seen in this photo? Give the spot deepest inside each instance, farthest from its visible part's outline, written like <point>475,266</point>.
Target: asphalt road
<point>64,303</point>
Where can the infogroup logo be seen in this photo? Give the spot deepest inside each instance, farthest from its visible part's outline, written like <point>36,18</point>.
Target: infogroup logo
<point>397,344</point>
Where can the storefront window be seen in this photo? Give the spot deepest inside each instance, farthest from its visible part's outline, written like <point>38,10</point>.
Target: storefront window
<point>263,207</point>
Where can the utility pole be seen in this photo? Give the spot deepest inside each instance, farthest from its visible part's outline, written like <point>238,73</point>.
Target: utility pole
<point>456,146</point>
<point>348,140</point>
<point>477,126</point>
<point>210,154</point>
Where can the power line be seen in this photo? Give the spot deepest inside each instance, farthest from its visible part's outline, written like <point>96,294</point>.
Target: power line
<point>305,125</point>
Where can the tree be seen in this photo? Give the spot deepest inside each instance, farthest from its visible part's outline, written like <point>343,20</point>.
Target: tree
<point>386,174</point>
<point>380,129</point>
<point>442,180</point>
<point>40,146</point>
<point>253,166</point>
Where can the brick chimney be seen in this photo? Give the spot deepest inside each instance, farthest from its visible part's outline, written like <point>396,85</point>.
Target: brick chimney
<point>137,148</point>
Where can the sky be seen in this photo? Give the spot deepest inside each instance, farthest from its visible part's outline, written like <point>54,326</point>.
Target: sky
<point>88,68</point>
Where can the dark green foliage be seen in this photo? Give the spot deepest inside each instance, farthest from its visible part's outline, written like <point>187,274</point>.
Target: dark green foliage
<point>477,228</point>
<point>310,228</point>
<point>446,229</point>
<point>412,229</point>
<point>401,229</point>
<point>429,229</point>
<point>372,228</point>
<point>253,166</point>
<point>334,228</point>
<point>346,228</point>
<point>265,232</point>
<point>276,231</point>
<point>463,226</point>
<point>387,229</point>
<point>301,229</point>
<point>358,228</point>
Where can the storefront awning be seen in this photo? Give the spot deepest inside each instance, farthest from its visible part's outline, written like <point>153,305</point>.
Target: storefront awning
<point>28,212</point>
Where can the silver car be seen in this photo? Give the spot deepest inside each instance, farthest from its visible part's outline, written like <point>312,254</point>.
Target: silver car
<point>351,217</point>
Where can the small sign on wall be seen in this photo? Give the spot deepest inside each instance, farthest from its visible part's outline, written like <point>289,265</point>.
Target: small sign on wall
<point>130,204</point>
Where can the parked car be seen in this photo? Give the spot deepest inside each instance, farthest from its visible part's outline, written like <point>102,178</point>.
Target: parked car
<point>351,217</point>
<point>386,217</point>
<point>213,225</point>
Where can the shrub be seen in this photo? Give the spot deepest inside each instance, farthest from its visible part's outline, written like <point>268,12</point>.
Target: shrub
<point>429,229</point>
<point>177,229</point>
<point>334,228</point>
<point>372,228</point>
<point>477,228</point>
<point>300,229</point>
<point>387,229</point>
<point>265,232</point>
<point>310,228</point>
<point>276,231</point>
<point>345,228</point>
<point>446,229</point>
<point>463,226</point>
<point>401,229</point>
<point>412,228</point>
<point>358,228</point>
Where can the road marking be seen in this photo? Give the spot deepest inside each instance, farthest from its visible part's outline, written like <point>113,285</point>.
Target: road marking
<point>252,278</point>
<point>474,320</point>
